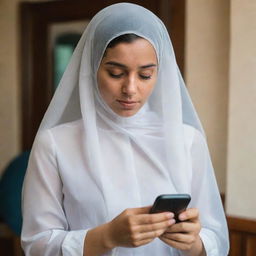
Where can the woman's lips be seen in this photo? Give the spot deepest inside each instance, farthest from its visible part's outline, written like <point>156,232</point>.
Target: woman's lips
<point>127,104</point>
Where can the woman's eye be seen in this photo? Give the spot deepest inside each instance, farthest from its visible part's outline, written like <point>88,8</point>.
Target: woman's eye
<point>115,75</point>
<point>145,77</point>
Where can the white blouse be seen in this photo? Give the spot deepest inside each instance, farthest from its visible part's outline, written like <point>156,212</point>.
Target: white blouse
<point>61,201</point>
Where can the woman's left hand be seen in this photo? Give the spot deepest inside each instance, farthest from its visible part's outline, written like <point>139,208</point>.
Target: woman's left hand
<point>185,234</point>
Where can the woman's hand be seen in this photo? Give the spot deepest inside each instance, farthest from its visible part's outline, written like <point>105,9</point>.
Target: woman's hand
<point>185,235</point>
<point>135,227</point>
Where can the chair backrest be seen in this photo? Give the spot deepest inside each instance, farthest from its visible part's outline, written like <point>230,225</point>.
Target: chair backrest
<point>10,192</point>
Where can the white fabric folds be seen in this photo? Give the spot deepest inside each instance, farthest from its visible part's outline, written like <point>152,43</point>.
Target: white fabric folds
<point>88,164</point>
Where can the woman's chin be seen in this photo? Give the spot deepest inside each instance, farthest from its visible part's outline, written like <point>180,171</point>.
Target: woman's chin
<point>127,113</point>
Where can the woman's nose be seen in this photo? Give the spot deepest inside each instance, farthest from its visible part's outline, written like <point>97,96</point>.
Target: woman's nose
<point>129,87</point>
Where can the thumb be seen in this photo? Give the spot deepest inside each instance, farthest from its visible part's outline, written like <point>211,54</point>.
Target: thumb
<point>142,210</point>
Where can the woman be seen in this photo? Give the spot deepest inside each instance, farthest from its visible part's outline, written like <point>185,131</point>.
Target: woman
<point>121,130</point>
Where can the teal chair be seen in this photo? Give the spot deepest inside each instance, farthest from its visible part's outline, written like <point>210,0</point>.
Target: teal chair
<point>10,192</point>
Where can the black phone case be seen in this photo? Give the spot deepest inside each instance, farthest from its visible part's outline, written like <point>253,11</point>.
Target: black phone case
<point>175,203</point>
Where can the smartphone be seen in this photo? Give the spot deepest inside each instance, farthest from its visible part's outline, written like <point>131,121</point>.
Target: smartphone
<point>176,203</point>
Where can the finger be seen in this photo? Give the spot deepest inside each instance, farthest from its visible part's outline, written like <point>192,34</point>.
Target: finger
<point>191,214</point>
<point>148,235</point>
<point>153,218</point>
<point>137,211</point>
<point>184,227</point>
<point>141,242</point>
<point>156,226</point>
<point>187,238</point>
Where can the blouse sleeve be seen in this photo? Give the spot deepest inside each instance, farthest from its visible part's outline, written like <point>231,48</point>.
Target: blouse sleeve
<point>206,197</point>
<point>45,229</point>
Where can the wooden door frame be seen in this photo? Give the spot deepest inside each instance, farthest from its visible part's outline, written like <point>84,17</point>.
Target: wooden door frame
<point>35,19</point>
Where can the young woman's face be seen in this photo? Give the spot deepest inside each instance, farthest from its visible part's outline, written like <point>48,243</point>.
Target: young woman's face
<point>127,75</point>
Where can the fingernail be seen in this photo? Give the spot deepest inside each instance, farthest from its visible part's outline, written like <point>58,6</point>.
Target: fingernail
<point>172,221</point>
<point>170,215</point>
<point>182,216</point>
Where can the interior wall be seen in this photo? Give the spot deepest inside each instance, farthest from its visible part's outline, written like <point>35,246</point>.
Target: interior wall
<point>9,92</point>
<point>10,96</point>
<point>206,73</point>
<point>242,111</point>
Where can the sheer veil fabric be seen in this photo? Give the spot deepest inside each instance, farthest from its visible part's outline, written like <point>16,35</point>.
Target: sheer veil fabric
<point>160,121</point>
<point>168,107</point>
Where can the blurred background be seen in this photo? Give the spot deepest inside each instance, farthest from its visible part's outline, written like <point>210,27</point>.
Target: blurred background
<point>215,45</point>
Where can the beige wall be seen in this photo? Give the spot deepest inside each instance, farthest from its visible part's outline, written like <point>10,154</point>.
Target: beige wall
<point>241,185</point>
<point>9,91</point>
<point>10,105</point>
<point>207,48</point>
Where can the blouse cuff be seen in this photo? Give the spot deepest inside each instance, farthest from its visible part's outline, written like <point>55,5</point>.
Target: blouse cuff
<point>209,242</point>
<point>73,244</point>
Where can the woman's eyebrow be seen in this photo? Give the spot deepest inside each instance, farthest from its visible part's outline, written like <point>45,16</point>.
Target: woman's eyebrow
<point>148,65</point>
<point>117,64</point>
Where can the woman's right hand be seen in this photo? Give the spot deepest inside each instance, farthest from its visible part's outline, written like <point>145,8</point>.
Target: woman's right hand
<point>135,227</point>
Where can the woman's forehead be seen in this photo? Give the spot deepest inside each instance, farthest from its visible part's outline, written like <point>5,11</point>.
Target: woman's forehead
<point>140,53</point>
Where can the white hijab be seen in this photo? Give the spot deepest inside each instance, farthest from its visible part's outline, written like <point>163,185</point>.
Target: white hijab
<point>163,116</point>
